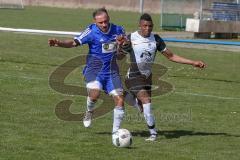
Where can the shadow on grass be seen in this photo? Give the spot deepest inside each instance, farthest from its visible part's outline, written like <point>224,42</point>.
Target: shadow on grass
<point>181,133</point>
<point>176,134</point>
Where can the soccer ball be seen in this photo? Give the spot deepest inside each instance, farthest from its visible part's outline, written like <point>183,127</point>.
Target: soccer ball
<point>122,138</point>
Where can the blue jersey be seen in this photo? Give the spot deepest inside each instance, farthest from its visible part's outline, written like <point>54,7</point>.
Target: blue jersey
<point>101,59</point>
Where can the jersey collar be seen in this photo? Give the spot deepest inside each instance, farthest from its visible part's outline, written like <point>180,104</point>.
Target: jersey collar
<point>109,29</point>
<point>142,36</point>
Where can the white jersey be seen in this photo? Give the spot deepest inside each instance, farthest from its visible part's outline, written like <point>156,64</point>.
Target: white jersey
<point>143,53</point>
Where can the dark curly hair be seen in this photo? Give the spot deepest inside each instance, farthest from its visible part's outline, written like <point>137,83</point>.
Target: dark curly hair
<point>145,17</point>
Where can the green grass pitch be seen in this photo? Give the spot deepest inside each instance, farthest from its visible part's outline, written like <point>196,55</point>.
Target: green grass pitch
<point>197,120</point>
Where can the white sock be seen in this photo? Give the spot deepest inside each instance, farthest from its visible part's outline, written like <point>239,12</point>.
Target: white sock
<point>149,117</point>
<point>90,104</point>
<point>118,114</point>
<point>131,100</point>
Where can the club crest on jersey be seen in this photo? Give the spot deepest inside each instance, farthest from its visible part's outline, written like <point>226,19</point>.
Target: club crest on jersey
<point>109,47</point>
<point>106,46</point>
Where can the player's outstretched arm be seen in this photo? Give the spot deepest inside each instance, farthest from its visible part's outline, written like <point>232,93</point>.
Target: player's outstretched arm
<point>61,43</point>
<point>175,58</point>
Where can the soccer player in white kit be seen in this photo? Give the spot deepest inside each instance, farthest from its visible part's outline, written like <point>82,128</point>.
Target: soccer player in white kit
<point>142,46</point>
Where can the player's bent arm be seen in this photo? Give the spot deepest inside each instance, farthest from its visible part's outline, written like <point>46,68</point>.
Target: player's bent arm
<point>123,49</point>
<point>178,59</point>
<point>62,43</point>
<point>120,55</point>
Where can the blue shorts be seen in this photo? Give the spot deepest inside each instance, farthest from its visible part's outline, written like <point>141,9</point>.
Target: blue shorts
<point>110,83</point>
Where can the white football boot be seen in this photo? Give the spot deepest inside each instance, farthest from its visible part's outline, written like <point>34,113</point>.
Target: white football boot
<point>87,119</point>
<point>152,138</point>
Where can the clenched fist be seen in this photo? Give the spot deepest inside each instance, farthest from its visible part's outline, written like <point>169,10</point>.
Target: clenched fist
<point>53,42</point>
<point>199,64</point>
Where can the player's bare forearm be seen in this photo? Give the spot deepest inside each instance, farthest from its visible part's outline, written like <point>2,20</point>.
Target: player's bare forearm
<point>62,43</point>
<point>178,59</point>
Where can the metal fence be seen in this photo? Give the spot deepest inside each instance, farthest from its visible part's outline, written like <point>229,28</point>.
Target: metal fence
<point>173,13</point>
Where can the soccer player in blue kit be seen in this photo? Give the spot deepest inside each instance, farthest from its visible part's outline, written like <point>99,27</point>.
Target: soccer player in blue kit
<point>101,71</point>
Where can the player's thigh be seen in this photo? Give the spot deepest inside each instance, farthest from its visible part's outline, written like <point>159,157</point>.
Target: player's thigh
<point>140,86</point>
<point>114,85</point>
<point>135,84</point>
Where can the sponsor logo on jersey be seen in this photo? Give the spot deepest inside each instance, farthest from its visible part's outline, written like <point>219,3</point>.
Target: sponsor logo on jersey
<point>109,47</point>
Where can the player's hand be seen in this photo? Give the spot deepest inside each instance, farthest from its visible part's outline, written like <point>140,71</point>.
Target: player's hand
<point>53,42</point>
<point>121,39</point>
<point>199,64</point>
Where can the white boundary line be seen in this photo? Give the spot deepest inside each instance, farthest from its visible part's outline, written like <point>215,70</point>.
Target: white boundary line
<point>38,31</point>
<point>207,95</point>
<point>3,76</point>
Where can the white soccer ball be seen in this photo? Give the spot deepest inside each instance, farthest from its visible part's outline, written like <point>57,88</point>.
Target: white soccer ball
<point>122,138</point>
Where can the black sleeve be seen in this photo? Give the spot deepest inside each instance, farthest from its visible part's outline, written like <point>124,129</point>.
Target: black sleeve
<point>129,37</point>
<point>160,43</point>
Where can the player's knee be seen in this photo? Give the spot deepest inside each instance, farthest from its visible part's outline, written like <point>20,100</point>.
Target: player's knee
<point>93,99</point>
<point>93,95</point>
<point>145,100</point>
<point>119,101</point>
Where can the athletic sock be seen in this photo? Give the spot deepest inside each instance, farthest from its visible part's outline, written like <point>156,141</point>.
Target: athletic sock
<point>90,104</point>
<point>118,114</point>
<point>149,117</point>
